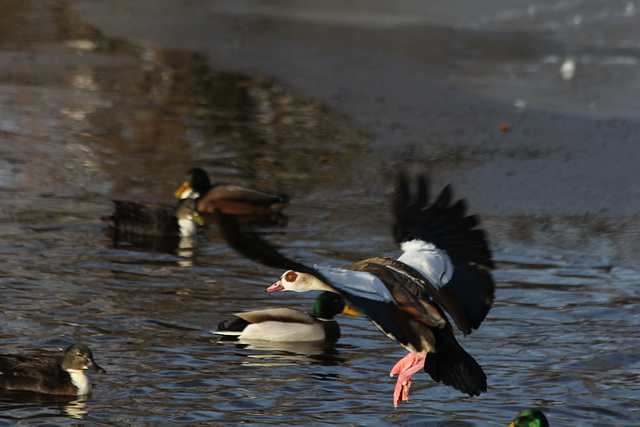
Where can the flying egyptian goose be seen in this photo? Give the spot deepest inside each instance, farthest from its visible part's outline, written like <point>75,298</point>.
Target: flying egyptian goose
<point>48,374</point>
<point>445,267</point>
<point>288,324</point>
<point>229,198</point>
<point>155,219</point>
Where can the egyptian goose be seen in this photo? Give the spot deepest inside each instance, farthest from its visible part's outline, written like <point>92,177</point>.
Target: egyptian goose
<point>445,266</point>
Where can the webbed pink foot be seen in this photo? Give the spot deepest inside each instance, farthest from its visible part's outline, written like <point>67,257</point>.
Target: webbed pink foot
<point>405,368</point>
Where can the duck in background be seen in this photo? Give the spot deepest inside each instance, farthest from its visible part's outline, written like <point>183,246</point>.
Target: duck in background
<point>445,267</point>
<point>49,374</point>
<point>155,219</point>
<point>288,324</point>
<point>260,206</point>
<point>530,418</point>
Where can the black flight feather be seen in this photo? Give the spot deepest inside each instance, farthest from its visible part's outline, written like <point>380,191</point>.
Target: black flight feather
<point>249,244</point>
<point>471,289</point>
<point>451,365</point>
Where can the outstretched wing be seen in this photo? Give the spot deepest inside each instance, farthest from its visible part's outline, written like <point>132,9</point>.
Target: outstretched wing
<point>468,291</point>
<point>442,223</point>
<point>249,244</point>
<point>377,305</point>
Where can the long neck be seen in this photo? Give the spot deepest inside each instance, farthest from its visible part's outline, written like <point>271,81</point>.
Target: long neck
<point>312,283</point>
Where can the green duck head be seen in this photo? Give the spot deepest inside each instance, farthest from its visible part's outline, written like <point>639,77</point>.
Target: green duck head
<point>328,304</point>
<point>530,418</point>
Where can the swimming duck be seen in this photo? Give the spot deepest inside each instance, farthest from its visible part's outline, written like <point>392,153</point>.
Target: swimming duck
<point>445,266</point>
<point>48,374</point>
<point>530,418</point>
<point>155,219</point>
<point>229,198</point>
<point>288,324</point>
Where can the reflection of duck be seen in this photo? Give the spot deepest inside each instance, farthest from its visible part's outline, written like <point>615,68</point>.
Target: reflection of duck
<point>530,418</point>
<point>445,266</point>
<point>288,324</point>
<point>47,374</point>
<point>229,198</point>
<point>155,219</point>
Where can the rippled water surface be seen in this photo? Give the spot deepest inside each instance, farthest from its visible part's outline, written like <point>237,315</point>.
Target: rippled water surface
<point>87,119</point>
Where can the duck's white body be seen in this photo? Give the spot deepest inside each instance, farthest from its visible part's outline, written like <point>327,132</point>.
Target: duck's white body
<point>286,325</point>
<point>289,324</point>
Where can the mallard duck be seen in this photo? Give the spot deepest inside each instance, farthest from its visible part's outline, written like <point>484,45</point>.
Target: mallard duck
<point>229,198</point>
<point>48,374</point>
<point>445,266</point>
<point>530,418</point>
<point>288,324</point>
<point>155,219</point>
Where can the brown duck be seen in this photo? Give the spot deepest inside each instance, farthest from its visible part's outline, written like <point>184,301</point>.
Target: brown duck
<point>230,199</point>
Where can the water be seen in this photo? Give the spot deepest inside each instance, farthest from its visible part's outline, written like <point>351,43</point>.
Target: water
<point>87,118</point>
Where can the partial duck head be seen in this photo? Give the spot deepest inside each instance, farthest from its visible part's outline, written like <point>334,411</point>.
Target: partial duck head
<point>329,304</point>
<point>79,357</point>
<point>195,184</point>
<point>530,418</point>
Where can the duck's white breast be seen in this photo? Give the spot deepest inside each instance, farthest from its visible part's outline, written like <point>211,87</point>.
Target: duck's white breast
<point>80,380</point>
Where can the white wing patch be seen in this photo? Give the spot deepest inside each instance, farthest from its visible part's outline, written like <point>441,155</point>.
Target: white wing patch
<point>358,283</point>
<point>433,263</point>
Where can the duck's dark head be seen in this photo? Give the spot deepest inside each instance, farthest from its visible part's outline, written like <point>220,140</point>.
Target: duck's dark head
<point>80,357</point>
<point>329,304</point>
<point>195,184</point>
<point>530,418</point>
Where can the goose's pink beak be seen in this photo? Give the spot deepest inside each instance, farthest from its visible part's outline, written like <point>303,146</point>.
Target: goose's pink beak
<point>276,287</point>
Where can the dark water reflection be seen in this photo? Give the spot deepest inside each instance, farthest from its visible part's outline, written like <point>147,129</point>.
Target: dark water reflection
<point>92,119</point>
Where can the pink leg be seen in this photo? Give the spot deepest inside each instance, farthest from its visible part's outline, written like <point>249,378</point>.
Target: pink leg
<point>405,368</point>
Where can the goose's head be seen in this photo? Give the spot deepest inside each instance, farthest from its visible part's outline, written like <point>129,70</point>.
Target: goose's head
<point>298,282</point>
